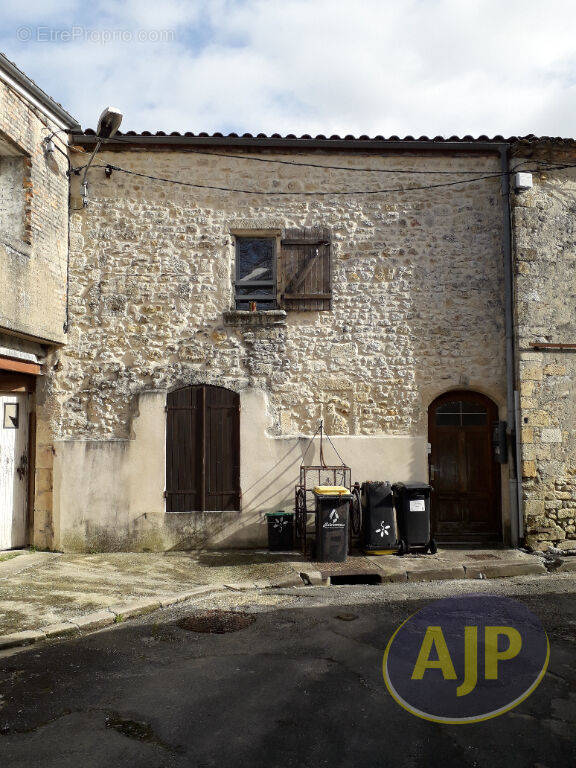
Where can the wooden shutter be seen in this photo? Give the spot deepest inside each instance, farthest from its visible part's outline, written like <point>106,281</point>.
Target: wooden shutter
<point>304,270</point>
<point>203,450</point>
<point>222,450</point>
<point>184,427</point>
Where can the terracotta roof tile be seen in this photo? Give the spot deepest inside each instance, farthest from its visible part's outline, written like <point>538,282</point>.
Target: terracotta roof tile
<point>498,139</point>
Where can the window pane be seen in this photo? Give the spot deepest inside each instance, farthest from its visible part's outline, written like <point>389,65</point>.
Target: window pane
<point>473,408</point>
<point>266,292</point>
<point>452,407</point>
<point>259,305</point>
<point>448,419</point>
<point>473,419</point>
<point>254,259</point>
<point>11,415</point>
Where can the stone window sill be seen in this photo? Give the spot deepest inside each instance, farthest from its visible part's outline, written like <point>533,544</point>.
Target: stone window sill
<point>257,319</point>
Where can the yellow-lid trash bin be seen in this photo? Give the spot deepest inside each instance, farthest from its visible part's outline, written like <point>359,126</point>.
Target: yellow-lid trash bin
<point>331,490</point>
<point>332,512</point>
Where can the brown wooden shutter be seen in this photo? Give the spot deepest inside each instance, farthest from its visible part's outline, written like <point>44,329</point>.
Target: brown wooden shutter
<point>222,451</point>
<point>304,270</point>
<point>184,428</point>
<point>202,450</point>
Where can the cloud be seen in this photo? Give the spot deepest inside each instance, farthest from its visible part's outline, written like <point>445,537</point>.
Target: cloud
<point>311,66</point>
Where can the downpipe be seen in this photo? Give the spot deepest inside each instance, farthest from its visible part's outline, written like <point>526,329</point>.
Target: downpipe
<point>512,396</point>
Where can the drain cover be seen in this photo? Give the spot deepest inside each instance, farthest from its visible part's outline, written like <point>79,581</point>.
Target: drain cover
<point>217,622</point>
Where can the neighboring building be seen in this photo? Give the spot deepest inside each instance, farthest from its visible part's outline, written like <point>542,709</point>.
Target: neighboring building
<point>145,407</point>
<point>33,262</point>
<point>544,219</point>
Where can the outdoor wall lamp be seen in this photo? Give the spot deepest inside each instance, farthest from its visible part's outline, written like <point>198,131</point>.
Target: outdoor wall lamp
<point>108,123</point>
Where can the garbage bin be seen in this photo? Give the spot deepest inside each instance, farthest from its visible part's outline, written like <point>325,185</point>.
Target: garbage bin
<point>280,531</point>
<point>332,511</point>
<point>379,519</point>
<point>413,511</point>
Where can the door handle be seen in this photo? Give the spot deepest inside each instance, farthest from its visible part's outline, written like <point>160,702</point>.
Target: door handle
<point>22,468</point>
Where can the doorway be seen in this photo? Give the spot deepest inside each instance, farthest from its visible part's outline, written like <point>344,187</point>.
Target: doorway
<point>14,463</point>
<point>203,450</point>
<point>465,477</point>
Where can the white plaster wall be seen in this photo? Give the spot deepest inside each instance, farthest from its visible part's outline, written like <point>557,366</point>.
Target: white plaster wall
<point>110,494</point>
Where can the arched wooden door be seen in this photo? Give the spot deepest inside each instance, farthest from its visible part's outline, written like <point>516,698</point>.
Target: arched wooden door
<point>203,450</point>
<point>463,472</point>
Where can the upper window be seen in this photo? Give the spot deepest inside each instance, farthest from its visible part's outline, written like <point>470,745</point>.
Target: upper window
<point>255,272</point>
<point>461,414</point>
<point>295,277</point>
<point>12,196</point>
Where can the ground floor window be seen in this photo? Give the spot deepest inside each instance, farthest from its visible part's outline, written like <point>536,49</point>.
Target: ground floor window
<point>203,450</point>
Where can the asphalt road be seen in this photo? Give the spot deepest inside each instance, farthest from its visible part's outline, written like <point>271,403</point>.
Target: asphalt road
<point>299,687</point>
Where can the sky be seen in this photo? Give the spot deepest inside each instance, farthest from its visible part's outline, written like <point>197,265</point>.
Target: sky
<point>375,67</point>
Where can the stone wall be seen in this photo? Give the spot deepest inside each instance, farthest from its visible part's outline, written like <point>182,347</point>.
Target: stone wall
<point>417,283</point>
<point>34,229</point>
<point>545,249</point>
<point>12,198</point>
<point>33,260</point>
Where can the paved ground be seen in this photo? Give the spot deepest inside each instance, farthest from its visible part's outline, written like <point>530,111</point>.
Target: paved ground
<point>42,588</point>
<point>299,687</point>
<point>38,589</point>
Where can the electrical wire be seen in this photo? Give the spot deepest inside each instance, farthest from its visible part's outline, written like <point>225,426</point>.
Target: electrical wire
<point>285,193</point>
<point>126,140</point>
<point>310,442</point>
<point>58,130</point>
<point>334,448</point>
<point>401,189</point>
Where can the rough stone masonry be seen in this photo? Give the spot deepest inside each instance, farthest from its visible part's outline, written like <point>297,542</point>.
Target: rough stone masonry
<point>545,251</point>
<point>417,309</point>
<point>417,284</point>
<point>34,190</point>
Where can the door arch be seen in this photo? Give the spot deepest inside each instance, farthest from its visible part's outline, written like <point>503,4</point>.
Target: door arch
<point>465,477</point>
<point>202,450</point>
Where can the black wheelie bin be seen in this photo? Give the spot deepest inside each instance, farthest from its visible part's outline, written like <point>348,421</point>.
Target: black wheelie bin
<point>332,513</point>
<point>413,511</point>
<point>379,519</point>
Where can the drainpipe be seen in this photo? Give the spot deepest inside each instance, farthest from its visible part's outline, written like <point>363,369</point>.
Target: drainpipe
<point>512,399</point>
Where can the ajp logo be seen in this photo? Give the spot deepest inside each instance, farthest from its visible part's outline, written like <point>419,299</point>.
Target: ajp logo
<point>466,659</point>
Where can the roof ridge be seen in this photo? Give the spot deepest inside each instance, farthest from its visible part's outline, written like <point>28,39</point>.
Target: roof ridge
<point>499,139</point>
<point>13,70</point>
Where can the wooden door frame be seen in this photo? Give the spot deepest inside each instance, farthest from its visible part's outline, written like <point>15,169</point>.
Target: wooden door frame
<point>25,383</point>
<point>468,395</point>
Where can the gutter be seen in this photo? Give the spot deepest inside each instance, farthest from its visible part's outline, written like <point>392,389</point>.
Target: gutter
<point>512,395</point>
<point>269,142</point>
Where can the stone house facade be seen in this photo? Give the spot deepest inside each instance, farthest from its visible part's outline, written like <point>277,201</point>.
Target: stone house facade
<point>34,190</point>
<point>408,294</point>
<point>417,310</point>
